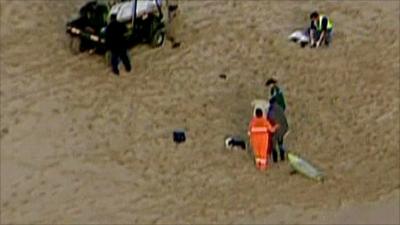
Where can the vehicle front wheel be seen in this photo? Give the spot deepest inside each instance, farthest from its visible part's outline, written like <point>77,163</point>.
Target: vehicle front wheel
<point>75,45</point>
<point>107,58</point>
<point>158,38</point>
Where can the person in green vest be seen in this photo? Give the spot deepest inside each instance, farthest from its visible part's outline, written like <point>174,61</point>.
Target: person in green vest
<point>276,92</point>
<point>321,30</point>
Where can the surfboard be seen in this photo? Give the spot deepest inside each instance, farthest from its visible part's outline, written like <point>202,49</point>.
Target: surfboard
<point>301,37</point>
<point>302,166</point>
<point>260,104</point>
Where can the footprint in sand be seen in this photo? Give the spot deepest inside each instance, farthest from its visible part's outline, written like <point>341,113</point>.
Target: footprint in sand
<point>30,191</point>
<point>74,211</point>
<point>15,185</point>
<point>4,131</point>
<point>24,202</point>
<point>56,111</point>
<point>5,204</point>
<point>28,177</point>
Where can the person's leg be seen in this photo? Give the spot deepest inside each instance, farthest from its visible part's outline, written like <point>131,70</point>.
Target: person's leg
<point>115,62</point>
<point>280,138</point>
<point>274,154</point>
<point>282,151</point>
<point>313,34</point>
<point>263,153</point>
<point>125,60</point>
<point>269,148</point>
<point>328,39</point>
<point>253,144</point>
<point>259,143</point>
<point>274,148</point>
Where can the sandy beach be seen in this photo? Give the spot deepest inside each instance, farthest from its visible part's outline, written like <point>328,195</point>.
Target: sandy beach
<point>81,146</point>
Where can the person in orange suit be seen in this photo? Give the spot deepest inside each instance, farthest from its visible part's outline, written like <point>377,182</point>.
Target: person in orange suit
<point>259,130</point>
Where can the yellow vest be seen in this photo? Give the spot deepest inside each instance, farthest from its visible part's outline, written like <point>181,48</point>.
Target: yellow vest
<point>319,24</point>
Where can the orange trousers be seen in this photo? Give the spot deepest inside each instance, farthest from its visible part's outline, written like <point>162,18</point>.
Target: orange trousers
<point>260,144</point>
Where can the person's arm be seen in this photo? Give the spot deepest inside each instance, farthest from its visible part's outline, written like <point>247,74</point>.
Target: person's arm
<point>271,128</point>
<point>324,29</point>
<point>249,129</point>
<point>321,37</point>
<point>312,33</point>
<point>271,119</point>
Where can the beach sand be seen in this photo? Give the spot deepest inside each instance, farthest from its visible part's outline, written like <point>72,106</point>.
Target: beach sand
<point>81,146</point>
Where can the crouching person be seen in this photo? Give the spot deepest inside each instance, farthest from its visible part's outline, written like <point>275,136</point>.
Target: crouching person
<point>259,130</point>
<point>321,30</point>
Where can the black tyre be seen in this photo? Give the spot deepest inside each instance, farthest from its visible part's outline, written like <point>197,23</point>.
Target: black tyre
<point>75,45</point>
<point>107,58</point>
<point>158,38</point>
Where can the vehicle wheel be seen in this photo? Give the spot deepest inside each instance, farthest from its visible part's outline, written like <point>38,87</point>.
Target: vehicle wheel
<point>75,45</point>
<point>158,38</point>
<point>107,58</point>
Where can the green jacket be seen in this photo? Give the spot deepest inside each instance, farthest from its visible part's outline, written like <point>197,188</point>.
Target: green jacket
<point>278,94</point>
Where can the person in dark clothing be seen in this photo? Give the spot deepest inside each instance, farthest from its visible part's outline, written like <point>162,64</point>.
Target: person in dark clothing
<point>116,43</point>
<point>275,92</point>
<point>320,30</point>
<point>277,116</point>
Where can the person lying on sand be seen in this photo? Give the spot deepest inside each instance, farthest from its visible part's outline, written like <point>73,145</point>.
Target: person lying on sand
<point>259,129</point>
<point>321,30</point>
<point>276,92</point>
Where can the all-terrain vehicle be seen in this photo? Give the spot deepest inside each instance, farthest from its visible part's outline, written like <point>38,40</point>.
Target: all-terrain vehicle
<point>143,19</point>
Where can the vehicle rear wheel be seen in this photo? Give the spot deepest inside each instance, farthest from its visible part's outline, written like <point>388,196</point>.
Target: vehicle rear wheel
<point>158,38</point>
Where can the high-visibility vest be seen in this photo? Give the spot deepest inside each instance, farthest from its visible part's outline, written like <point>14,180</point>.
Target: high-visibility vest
<point>319,24</point>
<point>259,130</point>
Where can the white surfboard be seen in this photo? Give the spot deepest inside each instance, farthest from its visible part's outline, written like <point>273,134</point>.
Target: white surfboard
<point>260,104</point>
<point>300,37</point>
<point>302,166</point>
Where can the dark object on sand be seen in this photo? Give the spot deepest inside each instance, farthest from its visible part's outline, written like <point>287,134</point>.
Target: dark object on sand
<point>233,142</point>
<point>172,8</point>
<point>222,76</point>
<point>176,45</point>
<point>179,136</point>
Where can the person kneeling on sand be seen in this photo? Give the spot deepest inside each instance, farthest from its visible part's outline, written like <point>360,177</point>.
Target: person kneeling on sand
<point>321,29</point>
<point>259,130</point>
<point>277,116</point>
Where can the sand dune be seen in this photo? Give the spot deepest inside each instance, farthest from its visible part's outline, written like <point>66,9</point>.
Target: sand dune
<point>79,145</point>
